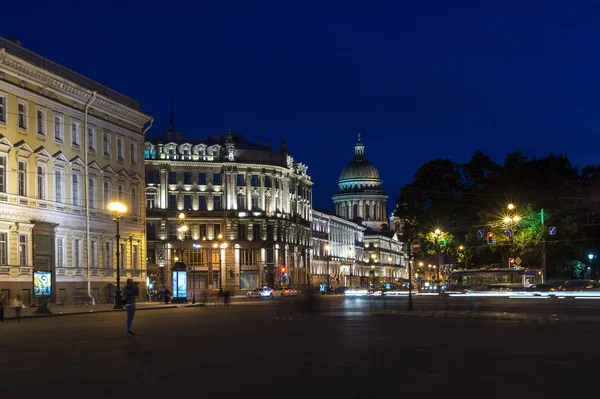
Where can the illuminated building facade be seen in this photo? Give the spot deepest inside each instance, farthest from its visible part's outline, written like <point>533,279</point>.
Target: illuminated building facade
<point>68,146</point>
<point>246,208</point>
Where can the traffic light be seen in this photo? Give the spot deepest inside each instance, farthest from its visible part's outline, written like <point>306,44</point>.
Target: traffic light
<point>490,238</point>
<point>511,263</point>
<point>282,269</point>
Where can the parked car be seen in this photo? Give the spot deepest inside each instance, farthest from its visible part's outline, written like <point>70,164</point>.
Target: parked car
<point>264,292</point>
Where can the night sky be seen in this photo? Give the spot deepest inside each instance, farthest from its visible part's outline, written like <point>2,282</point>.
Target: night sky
<point>419,80</point>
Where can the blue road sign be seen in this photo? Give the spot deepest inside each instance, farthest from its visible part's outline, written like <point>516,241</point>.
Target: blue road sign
<point>509,232</point>
<point>480,234</point>
<point>552,231</point>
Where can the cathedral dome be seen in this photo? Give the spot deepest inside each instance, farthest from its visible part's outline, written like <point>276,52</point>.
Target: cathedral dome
<point>359,168</point>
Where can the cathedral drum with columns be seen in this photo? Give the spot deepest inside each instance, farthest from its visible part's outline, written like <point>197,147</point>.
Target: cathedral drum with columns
<point>235,212</point>
<point>361,195</point>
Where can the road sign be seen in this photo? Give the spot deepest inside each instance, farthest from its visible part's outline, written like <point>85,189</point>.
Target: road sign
<point>518,261</point>
<point>552,231</point>
<point>415,246</point>
<point>509,232</point>
<point>480,233</point>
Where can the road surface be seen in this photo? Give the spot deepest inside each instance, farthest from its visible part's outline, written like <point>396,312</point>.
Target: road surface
<point>259,349</point>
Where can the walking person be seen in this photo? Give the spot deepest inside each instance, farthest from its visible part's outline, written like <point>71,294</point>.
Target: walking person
<point>129,293</point>
<point>17,304</point>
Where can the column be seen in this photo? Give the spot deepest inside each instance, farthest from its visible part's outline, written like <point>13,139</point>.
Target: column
<point>163,189</point>
<point>262,195</point>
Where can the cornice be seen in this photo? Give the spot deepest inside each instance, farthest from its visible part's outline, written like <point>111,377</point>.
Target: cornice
<point>65,88</point>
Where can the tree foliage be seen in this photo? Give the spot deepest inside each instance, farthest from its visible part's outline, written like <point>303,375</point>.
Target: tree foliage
<point>461,199</point>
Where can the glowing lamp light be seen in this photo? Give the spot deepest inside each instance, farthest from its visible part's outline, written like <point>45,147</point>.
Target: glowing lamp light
<point>516,218</point>
<point>215,245</point>
<point>507,220</point>
<point>327,247</point>
<point>224,245</point>
<point>462,247</point>
<point>437,232</point>
<point>117,207</point>
<point>590,256</point>
<point>182,216</point>
<point>511,207</point>
<point>220,236</point>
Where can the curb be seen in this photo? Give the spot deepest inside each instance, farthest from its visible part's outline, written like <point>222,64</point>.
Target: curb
<point>61,314</point>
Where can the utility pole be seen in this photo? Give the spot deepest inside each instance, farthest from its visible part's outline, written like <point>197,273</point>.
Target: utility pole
<point>544,277</point>
<point>410,301</point>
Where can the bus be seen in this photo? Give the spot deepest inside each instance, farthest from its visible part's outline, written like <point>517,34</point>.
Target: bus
<point>494,279</point>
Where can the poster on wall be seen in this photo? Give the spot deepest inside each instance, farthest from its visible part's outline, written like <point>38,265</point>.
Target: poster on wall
<point>42,284</point>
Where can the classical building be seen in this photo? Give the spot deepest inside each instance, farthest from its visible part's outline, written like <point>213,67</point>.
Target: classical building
<point>361,196</point>
<point>246,208</point>
<point>355,247</point>
<point>68,146</point>
<point>338,250</point>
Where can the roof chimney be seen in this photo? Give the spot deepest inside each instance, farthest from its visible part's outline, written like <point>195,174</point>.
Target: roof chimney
<point>283,148</point>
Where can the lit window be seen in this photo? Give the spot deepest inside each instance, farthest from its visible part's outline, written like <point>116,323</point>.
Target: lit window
<point>22,250</point>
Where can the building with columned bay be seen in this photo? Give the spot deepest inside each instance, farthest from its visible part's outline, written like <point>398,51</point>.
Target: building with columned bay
<point>247,211</point>
<point>68,146</point>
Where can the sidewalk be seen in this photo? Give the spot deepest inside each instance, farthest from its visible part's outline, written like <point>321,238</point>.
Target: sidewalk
<point>65,310</point>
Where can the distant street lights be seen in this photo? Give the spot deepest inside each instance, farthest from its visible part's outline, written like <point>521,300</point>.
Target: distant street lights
<point>511,220</point>
<point>327,248</point>
<point>118,209</point>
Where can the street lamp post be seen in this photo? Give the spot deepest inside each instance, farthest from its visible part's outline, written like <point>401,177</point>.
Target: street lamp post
<point>590,257</point>
<point>118,209</point>
<point>438,234</point>
<point>328,249</point>
<point>510,221</point>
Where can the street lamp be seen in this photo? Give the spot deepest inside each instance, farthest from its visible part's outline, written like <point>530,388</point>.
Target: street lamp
<point>327,248</point>
<point>118,209</point>
<point>590,257</point>
<point>182,230</point>
<point>511,206</point>
<point>438,233</point>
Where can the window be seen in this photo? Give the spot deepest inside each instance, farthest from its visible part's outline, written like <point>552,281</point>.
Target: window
<point>91,139</point>
<point>151,201</point>
<point>120,154</point>
<point>2,174</point>
<point>3,247</point>
<point>123,254</point>
<point>107,255</point>
<point>76,188</point>
<point>267,181</point>
<point>217,202</point>
<point>59,133</point>
<point>134,256</point>
<point>41,121</point>
<point>172,201</point>
<point>22,250</point>
<point>151,231</point>
<point>240,180</point>
<point>106,192</point>
<point>133,149</point>
<point>216,230</point>
<point>22,177</point>
<point>58,184</point>
<point>152,177</point>
<point>22,114</point>
<point>203,231</point>
<point>92,192</point>
<point>187,202</point>
<point>256,231</point>
<point>254,200</point>
<point>77,252</point>
<point>120,192</point>
<point>249,257</point>
<point>94,254</point>
<point>242,236</point>
<point>187,178</point>
<point>241,202</point>
<point>75,133</point>
<point>3,108</point>
<point>106,144</point>
<point>202,178</point>
<point>254,181</point>
<point>202,202</point>
<point>134,201</point>
<point>60,252</point>
<point>172,178</point>
<point>41,182</point>
<point>270,232</point>
<point>217,178</point>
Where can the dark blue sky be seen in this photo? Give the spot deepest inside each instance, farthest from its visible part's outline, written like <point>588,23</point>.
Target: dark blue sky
<point>419,80</point>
